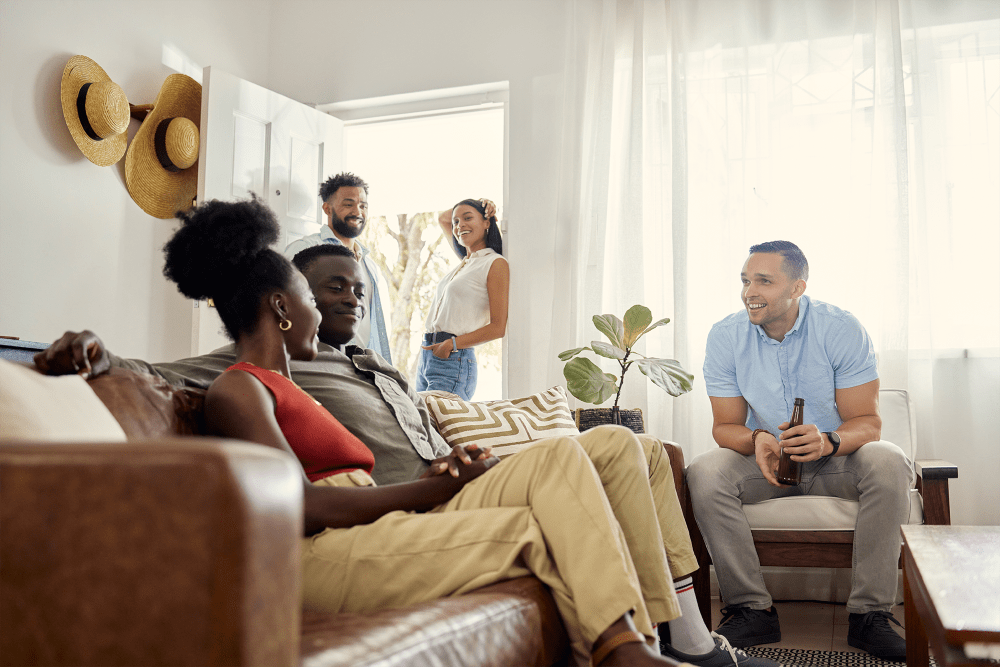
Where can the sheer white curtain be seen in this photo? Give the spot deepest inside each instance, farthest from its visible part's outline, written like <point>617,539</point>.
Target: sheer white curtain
<point>868,132</point>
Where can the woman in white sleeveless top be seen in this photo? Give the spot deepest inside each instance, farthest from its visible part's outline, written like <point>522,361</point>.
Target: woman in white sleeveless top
<point>470,307</point>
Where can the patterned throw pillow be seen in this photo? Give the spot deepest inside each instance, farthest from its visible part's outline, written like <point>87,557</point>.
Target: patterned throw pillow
<point>507,426</point>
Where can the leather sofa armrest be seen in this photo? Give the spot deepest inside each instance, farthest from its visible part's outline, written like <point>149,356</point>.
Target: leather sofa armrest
<point>932,482</point>
<point>170,551</point>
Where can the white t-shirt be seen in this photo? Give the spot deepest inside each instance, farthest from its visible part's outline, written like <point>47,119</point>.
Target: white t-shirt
<point>462,303</point>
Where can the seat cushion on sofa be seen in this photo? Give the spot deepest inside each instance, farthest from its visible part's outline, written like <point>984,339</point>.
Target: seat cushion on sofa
<point>815,513</point>
<point>52,409</point>
<point>147,406</point>
<point>511,623</point>
<point>508,426</point>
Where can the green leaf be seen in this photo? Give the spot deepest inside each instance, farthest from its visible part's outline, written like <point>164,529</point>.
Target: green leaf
<point>605,350</point>
<point>667,374</point>
<point>587,382</point>
<point>612,327</point>
<point>637,318</point>
<point>569,354</point>
<point>658,323</point>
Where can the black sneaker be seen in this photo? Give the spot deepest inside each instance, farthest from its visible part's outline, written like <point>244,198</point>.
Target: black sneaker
<point>744,626</point>
<point>723,655</point>
<point>873,633</point>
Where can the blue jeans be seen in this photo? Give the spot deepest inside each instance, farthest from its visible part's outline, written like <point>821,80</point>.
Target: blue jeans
<point>457,374</point>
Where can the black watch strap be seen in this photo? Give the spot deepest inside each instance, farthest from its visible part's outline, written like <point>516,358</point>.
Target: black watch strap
<point>834,440</point>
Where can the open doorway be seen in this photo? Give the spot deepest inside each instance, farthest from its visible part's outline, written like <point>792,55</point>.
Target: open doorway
<point>418,165</point>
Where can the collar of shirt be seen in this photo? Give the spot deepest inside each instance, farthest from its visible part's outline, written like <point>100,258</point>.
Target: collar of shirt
<point>393,387</point>
<point>803,307</point>
<point>327,236</point>
<point>481,253</point>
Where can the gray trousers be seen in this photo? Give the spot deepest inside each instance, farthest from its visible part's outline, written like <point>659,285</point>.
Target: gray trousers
<point>878,475</point>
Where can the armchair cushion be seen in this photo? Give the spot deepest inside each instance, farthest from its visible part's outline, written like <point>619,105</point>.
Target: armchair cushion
<point>52,409</point>
<point>815,513</point>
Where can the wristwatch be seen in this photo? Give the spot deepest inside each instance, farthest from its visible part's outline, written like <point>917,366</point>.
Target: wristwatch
<point>834,440</point>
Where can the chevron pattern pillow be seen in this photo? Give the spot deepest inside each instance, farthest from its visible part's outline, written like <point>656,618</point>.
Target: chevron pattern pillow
<point>507,426</point>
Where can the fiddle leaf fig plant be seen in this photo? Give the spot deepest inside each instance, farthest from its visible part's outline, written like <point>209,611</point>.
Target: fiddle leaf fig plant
<point>587,382</point>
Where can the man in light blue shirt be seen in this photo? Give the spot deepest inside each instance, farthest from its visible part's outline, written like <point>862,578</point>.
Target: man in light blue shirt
<point>345,202</point>
<point>784,346</point>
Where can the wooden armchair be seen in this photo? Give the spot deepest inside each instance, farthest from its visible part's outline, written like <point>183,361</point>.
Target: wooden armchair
<point>820,531</point>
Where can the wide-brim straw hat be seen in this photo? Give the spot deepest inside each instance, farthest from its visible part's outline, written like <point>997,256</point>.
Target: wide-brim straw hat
<point>96,111</point>
<point>161,166</point>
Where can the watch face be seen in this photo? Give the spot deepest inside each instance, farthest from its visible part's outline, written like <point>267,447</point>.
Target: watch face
<point>834,438</point>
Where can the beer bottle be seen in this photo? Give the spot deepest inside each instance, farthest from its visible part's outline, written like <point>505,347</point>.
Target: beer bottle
<point>789,471</point>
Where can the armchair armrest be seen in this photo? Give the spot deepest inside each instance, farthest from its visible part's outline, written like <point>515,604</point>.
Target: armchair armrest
<point>932,482</point>
<point>170,551</point>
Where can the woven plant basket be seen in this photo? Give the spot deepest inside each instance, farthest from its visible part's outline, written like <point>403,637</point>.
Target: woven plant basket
<point>588,418</point>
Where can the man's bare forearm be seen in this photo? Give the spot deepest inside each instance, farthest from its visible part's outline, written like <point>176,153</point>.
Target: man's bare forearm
<point>735,437</point>
<point>856,432</point>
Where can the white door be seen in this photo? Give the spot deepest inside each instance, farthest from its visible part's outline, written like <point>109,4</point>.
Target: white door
<point>255,140</point>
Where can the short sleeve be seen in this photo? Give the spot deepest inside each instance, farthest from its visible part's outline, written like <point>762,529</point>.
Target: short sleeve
<point>851,353</point>
<point>720,364</point>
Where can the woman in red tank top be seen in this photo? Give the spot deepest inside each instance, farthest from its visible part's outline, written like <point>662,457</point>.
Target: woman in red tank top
<point>222,252</point>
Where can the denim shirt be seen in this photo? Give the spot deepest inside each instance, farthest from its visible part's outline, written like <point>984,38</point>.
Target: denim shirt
<point>827,349</point>
<point>378,339</point>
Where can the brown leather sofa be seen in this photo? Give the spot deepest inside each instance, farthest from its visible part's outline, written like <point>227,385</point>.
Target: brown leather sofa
<point>173,550</point>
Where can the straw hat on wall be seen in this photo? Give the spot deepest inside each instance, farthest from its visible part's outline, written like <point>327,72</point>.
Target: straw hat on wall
<point>160,168</point>
<point>96,111</point>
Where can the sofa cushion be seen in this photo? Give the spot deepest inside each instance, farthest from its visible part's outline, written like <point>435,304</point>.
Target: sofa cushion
<point>52,409</point>
<point>147,406</point>
<point>513,622</point>
<point>508,426</point>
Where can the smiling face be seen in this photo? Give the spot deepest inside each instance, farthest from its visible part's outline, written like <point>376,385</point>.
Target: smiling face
<point>338,284</point>
<point>300,309</point>
<point>770,296</point>
<point>347,212</point>
<point>469,227</point>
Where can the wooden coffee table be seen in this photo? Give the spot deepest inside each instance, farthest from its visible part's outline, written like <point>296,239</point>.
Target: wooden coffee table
<point>951,583</point>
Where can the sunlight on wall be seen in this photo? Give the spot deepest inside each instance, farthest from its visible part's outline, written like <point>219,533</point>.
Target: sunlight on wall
<point>178,61</point>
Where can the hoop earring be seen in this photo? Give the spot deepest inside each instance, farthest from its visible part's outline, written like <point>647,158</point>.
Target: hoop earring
<point>285,325</point>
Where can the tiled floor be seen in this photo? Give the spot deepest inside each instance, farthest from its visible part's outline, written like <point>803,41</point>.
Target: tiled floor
<point>812,625</point>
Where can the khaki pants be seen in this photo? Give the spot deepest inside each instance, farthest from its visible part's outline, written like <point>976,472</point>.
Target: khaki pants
<point>541,512</point>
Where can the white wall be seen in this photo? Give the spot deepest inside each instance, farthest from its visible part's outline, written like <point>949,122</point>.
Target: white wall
<point>75,250</point>
<point>371,48</point>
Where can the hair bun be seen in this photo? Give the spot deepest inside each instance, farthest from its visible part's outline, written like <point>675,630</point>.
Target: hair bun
<point>217,243</point>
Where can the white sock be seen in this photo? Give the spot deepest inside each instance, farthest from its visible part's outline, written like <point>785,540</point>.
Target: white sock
<point>688,633</point>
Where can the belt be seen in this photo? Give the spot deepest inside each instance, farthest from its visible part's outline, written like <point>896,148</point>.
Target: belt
<point>437,337</point>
